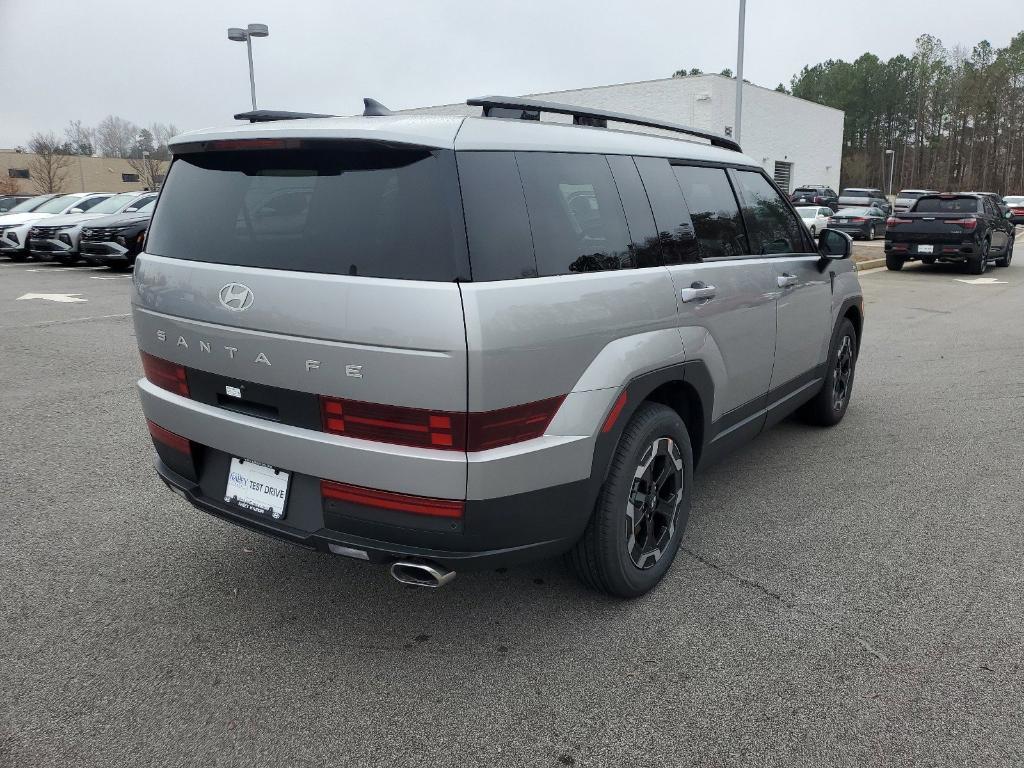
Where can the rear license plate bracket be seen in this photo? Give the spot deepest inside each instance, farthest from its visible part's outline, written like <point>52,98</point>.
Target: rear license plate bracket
<point>257,487</point>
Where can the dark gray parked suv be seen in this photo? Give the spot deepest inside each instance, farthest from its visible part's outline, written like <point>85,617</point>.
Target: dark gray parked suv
<point>459,342</point>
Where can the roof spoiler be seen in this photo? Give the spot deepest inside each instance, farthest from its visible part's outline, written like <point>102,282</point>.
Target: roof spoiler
<point>500,106</point>
<point>270,115</point>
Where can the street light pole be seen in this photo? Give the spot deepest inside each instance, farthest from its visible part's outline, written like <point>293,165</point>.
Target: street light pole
<point>739,72</point>
<point>246,35</point>
<point>892,167</point>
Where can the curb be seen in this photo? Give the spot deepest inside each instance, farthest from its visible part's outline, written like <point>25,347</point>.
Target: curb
<point>872,264</point>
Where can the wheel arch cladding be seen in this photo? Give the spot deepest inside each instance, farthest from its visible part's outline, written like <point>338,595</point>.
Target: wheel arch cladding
<point>687,388</point>
<point>852,313</point>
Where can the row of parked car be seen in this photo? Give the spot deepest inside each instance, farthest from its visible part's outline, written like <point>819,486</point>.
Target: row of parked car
<point>101,228</point>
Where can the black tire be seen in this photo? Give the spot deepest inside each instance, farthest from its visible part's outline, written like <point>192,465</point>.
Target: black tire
<point>814,231</point>
<point>118,266</point>
<point>929,260</point>
<point>871,232</point>
<point>19,256</point>
<point>979,263</point>
<point>1006,258</point>
<point>828,407</point>
<point>603,558</point>
<point>894,263</point>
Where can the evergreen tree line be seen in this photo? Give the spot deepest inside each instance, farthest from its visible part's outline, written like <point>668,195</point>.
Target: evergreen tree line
<point>955,119</point>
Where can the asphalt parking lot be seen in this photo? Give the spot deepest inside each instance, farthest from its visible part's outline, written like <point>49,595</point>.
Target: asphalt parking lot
<point>850,596</point>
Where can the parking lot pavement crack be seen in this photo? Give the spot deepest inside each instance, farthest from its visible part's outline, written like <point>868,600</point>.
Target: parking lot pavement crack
<point>749,583</point>
<point>824,621</point>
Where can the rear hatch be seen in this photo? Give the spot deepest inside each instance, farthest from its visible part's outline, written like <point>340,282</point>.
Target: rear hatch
<point>935,219</point>
<point>854,198</point>
<point>277,271</point>
<point>807,196</point>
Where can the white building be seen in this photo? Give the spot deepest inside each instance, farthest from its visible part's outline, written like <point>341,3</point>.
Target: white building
<point>796,141</point>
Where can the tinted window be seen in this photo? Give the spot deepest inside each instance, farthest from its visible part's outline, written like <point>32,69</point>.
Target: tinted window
<point>770,223</point>
<point>854,193</point>
<point>575,213</point>
<point>675,230</point>
<point>646,248</point>
<point>946,205</point>
<point>713,210</point>
<point>90,203</point>
<point>500,246</point>
<point>354,211</point>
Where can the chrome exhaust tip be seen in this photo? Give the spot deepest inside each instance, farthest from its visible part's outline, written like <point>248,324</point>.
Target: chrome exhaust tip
<point>421,574</point>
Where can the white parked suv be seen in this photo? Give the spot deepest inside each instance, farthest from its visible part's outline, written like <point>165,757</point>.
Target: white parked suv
<point>57,238</point>
<point>14,228</point>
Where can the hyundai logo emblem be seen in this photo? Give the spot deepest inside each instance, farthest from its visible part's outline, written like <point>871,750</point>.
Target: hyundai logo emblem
<point>236,297</point>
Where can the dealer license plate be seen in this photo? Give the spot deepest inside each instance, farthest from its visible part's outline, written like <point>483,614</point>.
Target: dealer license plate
<point>925,249</point>
<point>257,487</point>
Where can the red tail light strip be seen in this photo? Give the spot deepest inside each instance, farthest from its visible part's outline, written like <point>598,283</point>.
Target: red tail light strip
<point>165,374</point>
<point>400,502</point>
<point>170,439</point>
<point>440,430</point>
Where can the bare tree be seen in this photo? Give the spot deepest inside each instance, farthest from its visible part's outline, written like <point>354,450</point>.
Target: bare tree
<point>115,136</point>
<point>162,134</point>
<point>8,186</point>
<point>49,165</point>
<point>150,170</point>
<point>81,139</point>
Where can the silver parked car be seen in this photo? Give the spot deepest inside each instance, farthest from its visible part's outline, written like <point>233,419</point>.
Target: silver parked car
<point>450,343</point>
<point>861,197</point>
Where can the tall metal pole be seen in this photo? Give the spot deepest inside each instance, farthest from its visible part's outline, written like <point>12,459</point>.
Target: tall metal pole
<point>892,168</point>
<point>252,77</point>
<point>739,73</point>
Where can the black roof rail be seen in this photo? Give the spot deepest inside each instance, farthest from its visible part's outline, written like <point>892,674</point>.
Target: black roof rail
<point>495,106</point>
<point>269,115</point>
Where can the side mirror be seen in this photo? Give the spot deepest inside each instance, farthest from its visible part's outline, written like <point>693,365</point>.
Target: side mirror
<point>77,210</point>
<point>833,244</point>
<point>1008,215</point>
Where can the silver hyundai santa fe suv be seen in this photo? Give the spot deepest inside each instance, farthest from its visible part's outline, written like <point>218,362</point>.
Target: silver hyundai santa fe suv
<point>446,343</point>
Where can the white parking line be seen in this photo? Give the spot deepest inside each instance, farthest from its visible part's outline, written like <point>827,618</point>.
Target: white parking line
<point>65,269</point>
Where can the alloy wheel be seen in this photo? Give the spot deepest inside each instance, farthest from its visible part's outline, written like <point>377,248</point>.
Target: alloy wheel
<point>842,377</point>
<point>653,502</point>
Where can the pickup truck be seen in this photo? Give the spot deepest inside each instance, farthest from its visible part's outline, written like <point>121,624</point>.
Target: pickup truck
<point>964,228</point>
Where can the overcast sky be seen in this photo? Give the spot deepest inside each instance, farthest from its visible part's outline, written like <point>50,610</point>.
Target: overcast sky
<point>172,62</point>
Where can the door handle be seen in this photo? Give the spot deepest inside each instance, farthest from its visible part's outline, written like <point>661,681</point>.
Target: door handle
<point>697,291</point>
<point>786,280</point>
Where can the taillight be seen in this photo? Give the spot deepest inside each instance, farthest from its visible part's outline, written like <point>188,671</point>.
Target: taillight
<point>399,502</point>
<point>892,221</point>
<point>165,374</point>
<point>493,429</point>
<point>170,439</point>
<point>818,199</point>
<point>443,430</point>
<point>965,223</point>
<point>393,424</point>
<point>858,219</point>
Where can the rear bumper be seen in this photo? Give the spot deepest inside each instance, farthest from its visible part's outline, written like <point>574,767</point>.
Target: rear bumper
<point>497,532</point>
<point>522,502</point>
<point>958,251</point>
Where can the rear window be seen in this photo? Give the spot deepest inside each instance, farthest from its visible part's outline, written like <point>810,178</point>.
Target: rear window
<point>358,210</point>
<point>806,191</point>
<point>905,195</point>
<point>946,205</point>
<point>855,193</point>
<point>575,213</point>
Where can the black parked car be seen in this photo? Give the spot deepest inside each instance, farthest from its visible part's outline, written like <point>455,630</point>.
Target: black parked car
<point>966,228</point>
<point>859,222</point>
<point>813,194</point>
<point>114,241</point>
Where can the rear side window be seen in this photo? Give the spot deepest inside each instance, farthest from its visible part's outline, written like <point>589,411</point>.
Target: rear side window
<point>646,247</point>
<point>713,210</point>
<point>946,205</point>
<point>497,224</point>
<point>353,210</point>
<point>771,225</point>
<point>575,213</point>
<point>675,230</point>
